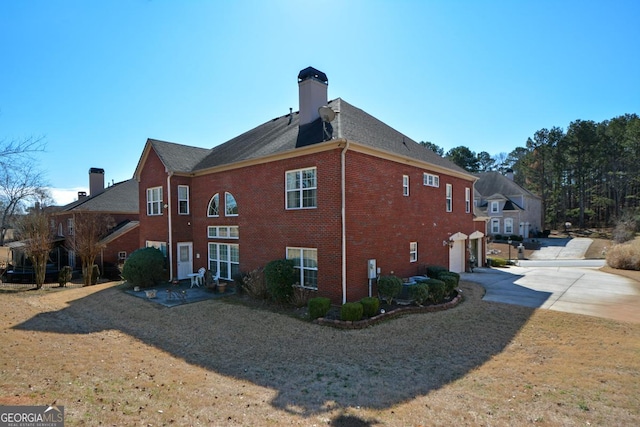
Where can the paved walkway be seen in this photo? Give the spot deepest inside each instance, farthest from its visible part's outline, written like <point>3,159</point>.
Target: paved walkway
<point>563,284</point>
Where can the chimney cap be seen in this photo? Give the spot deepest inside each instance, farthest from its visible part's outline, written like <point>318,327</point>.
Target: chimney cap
<point>96,170</point>
<point>312,73</point>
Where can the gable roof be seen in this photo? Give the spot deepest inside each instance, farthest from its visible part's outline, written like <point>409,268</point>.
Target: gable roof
<point>283,134</point>
<point>491,184</point>
<point>121,197</point>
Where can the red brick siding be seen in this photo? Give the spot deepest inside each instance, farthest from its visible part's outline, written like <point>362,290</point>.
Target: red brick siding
<point>152,175</point>
<point>266,228</point>
<point>381,222</point>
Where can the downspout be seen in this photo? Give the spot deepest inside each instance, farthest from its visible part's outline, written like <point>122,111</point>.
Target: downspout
<point>170,243</point>
<point>343,158</point>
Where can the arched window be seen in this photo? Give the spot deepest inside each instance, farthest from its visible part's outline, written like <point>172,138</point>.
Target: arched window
<point>214,205</point>
<point>230,205</point>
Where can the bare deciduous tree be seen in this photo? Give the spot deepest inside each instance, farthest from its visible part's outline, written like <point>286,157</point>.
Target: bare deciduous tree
<point>20,183</point>
<point>34,229</point>
<point>89,227</point>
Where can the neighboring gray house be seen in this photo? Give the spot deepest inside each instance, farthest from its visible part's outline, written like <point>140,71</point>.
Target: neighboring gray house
<point>511,209</point>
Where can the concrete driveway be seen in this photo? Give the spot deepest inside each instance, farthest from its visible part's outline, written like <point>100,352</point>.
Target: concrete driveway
<point>564,284</point>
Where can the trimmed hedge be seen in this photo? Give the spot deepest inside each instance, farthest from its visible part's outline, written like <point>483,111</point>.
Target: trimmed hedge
<point>144,267</point>
<point>351,311</point>
<point>280,277</point>
<point>497,262</point>
<point>318,307</point>
<point>389,287</point>
<point>434,270</point>
<point>370,306</point>
<point>420,292</point>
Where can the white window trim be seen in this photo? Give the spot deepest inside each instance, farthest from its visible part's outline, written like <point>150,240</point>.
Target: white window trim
<point>449,198</point>
<point>226,212</point>
<point>495,226</point>
<point>495,207</point>
<point>217,198</point>
<point>302,268</point>
<point>431,180</point>
<point>508,222</point>
<point>216,258</point>
<point>151,202</point>
<point>301,190</point>
<point>183,200</point>
<point>413,251</point>
<point>223,232</point>
<point>467,199</point>
<point>405,185</point>
<point>70,227</point>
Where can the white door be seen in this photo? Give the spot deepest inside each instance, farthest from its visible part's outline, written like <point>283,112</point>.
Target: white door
<point>185,260</point>
<point>456,257</point>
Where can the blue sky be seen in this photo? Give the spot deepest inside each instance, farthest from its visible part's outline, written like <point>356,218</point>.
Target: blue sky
<point>96,78</point>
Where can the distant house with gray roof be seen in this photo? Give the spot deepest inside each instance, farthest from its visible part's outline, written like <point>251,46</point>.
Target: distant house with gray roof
<point>118,201</point>
<point>510,208</point>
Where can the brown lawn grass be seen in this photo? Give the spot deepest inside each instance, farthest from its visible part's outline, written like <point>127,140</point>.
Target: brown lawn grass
<point>113,359</point>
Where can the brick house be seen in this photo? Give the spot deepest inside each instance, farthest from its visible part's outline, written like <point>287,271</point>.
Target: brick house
<point>340,192</point>
<point>118,201</point>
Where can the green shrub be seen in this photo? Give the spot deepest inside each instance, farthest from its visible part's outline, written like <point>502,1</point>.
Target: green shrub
<point>64,276</point>
<point>370,306</point>
<point>280,277</point>
<point>450,282</point>
<point>420,292</point>
<point>351,311</point>
<point>389,287</point>
<point>144,267</point>
<point>318,307</point>
<point>497,237</point>
<point>434,270</point>
<point>436,290</point>
<point>497,262</point>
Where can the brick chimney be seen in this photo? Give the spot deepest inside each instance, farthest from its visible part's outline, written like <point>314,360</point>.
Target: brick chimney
<point>96,181</point>
<point>312,90</point>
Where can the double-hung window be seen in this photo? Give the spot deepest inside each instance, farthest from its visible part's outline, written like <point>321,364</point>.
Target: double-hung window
<point>154,201</point>
<point>405,185</point>
<point>467,200</point>
<point>449,196</point>
<point>495,207</point>
<point>413,251</point>
<point>183,199</point>
<point>70,231</point>
<point>306,264</point>
<point>508,226</point>
<point>301,189</point>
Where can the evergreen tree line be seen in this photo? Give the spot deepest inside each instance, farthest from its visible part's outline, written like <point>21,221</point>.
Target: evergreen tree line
<point>588,174</point>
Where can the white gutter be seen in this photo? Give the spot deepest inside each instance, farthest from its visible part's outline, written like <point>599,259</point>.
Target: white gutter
<point>344,217</point>
<point>170,243</point>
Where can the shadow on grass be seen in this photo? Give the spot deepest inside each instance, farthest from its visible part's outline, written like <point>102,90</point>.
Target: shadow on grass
<point>314,369</point>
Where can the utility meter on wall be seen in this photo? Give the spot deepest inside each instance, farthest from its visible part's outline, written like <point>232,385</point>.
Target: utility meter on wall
<point>372,270</point>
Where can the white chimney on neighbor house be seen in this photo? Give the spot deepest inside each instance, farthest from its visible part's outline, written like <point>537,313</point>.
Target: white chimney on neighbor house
<point>312,90</point>
<point>96,181</point>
